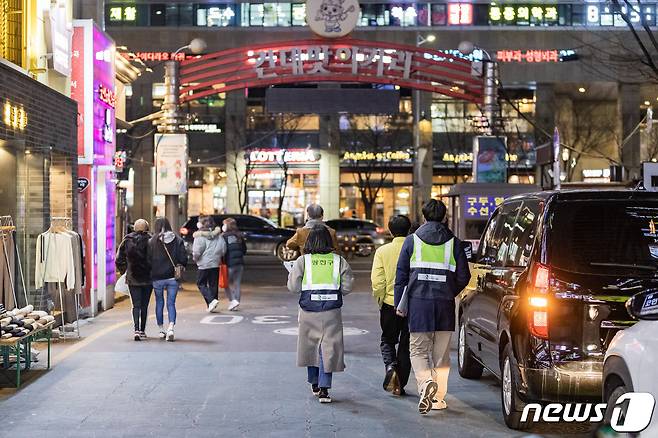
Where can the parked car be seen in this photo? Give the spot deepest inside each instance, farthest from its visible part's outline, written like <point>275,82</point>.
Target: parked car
<point>262,235</point>
<point>631,360</point>
<point>549,283</point>
<point>360,236</point>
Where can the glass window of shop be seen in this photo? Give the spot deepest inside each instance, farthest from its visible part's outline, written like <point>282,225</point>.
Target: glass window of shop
<point>207,191</point>
<point>266,14</point>
<point>264,192</point>
<point>394,197</point>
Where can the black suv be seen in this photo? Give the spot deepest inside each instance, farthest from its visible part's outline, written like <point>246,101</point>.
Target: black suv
<point>262,236</point>
<point>548,288</point>
<point>361,236</point>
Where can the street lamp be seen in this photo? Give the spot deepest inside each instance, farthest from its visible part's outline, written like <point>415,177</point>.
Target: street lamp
<point>490,91</point>
<point>170,110</point>
<point>423,153</point>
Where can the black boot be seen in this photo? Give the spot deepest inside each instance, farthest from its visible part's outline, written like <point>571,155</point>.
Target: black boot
<point>392,381</point>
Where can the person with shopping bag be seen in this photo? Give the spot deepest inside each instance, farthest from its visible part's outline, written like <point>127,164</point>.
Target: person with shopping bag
<point>207,251</point>
<point>168,259</point>
<point>321,278</point>
<point>233,264</point>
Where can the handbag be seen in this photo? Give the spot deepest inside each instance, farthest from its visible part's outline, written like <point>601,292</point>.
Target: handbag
<point>223,275</point>
<point>178,269</point>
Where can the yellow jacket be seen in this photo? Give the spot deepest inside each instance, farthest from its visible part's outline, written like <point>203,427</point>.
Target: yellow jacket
<point>383,271</point>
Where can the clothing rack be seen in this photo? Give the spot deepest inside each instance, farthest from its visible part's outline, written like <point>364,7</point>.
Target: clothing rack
<point>7,226</point>
<point>59,224</point>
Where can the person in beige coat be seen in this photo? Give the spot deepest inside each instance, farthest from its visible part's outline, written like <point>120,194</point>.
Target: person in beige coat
<point>321,278</point>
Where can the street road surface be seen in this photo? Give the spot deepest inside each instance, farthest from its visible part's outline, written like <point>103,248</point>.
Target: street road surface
<point>234,374</point>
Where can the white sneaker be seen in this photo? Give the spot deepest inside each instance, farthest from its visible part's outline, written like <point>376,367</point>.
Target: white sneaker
<point>212,306</point>
<point>162,333</point>
<point>438,405</point>
<point>170,332</point>
<point>427,393</point>
<point>233,305</point>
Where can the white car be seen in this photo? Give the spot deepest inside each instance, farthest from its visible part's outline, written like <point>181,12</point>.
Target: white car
<point>631,360</point>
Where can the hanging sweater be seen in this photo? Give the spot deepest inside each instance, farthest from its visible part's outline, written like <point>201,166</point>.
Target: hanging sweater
<point>54,260</point>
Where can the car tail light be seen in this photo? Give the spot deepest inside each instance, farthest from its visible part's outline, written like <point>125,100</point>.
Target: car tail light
<point>538,302</point>
<point>183,231</point>
<point>380,230</point>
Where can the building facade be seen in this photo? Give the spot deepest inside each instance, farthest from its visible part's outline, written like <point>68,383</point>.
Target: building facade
<point>547,79</point>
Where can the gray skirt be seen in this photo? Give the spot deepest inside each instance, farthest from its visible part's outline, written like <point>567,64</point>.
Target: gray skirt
<point>321,329</point>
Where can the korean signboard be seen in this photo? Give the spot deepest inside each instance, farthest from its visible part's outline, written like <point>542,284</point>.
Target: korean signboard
<point>481,207</point>
<point>92,87</point>
<point>290,156</point>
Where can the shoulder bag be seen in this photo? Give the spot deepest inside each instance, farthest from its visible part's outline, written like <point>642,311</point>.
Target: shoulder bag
<point>178,269</point>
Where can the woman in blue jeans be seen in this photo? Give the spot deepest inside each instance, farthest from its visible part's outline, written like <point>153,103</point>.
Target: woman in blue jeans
<point>166,250</point>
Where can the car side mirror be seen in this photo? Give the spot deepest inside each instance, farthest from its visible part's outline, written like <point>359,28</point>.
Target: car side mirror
<point>468,249</point>
<point>643,305</point>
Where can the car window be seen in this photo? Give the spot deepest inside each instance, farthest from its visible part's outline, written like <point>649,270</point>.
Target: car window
<point>368,226</point>
<point>336,225</point>
<point>524,233</point>
<point>497,238</point>
<point>249,223</point>
<point>605,236</point>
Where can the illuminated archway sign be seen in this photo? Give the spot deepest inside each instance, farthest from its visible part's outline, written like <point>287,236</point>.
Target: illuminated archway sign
<point>342,60</point>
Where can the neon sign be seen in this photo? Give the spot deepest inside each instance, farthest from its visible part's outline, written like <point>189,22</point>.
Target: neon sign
<point>266,156</point>
<point>157,56</point>
<point>15,116</point>
<point>531,56</point>
<point>122,13</point>
<point>107,96</point>
<point>460,14</point>
<point>523,15</point>
<point>377,156</point>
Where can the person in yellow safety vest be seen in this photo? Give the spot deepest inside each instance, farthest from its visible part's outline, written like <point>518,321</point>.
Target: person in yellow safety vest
<point>321,278</point>
<point>432,270</point>
<point>395,329</point>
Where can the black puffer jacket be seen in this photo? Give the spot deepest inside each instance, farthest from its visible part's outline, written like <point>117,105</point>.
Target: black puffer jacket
<point>161,265</point>
<point>236,248</point>
<point>133,259</point>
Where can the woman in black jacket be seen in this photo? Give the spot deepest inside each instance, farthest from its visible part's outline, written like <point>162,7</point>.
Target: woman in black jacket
<point>132,259</point>
<point>236,248</point>
<point>166,251</point>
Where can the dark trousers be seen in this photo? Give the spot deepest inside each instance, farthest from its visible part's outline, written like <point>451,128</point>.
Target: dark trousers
<point>140,297</point>
<point>395,330</point>
<point>208,283</point>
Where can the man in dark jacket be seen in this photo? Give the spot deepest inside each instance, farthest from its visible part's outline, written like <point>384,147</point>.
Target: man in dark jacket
<point>132,259</point>
<point>432,270</point>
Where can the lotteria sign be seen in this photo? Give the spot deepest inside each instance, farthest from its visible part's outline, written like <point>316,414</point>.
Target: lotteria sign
<point>290,156</point>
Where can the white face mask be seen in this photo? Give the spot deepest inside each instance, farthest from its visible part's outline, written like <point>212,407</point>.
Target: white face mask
<point>199,225</point>
<point>224,228</point>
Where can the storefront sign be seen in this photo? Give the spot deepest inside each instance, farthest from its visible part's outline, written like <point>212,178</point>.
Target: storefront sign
<point>377,156</point>
<point>14,116</point>
<point>468,157</point>
<point>107,95</point>
<point>171,164</point>
<point>118,14</point>
<point>481,207</point>
<point>523,14</point>
<point>83,183</point>
<point>293,156</point>
<point>596,173</point>
<point>460,14</point>
<point>58,37</point>
<point>317,60</point>
<point>513,55</point>
<point>332,18</point>
<point>92,87</point>
<point>157,56</point>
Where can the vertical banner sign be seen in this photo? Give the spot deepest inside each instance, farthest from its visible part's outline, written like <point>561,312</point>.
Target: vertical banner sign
<point>170,164</point>
<point>78,83</point>
<point>557,171</point>
<point>490,165</point>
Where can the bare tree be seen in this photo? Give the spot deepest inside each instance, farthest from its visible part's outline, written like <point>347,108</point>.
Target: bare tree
<point>239,162</point>
<point>287,127</point>
<point>587,129</point>
<point>645,41</point>
<point>369,144</point>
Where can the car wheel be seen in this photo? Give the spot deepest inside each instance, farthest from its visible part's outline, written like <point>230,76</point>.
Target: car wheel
<point>286,254</point>
<point>614,392</point>
<point>468,367</point>
<point>511,404</point>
